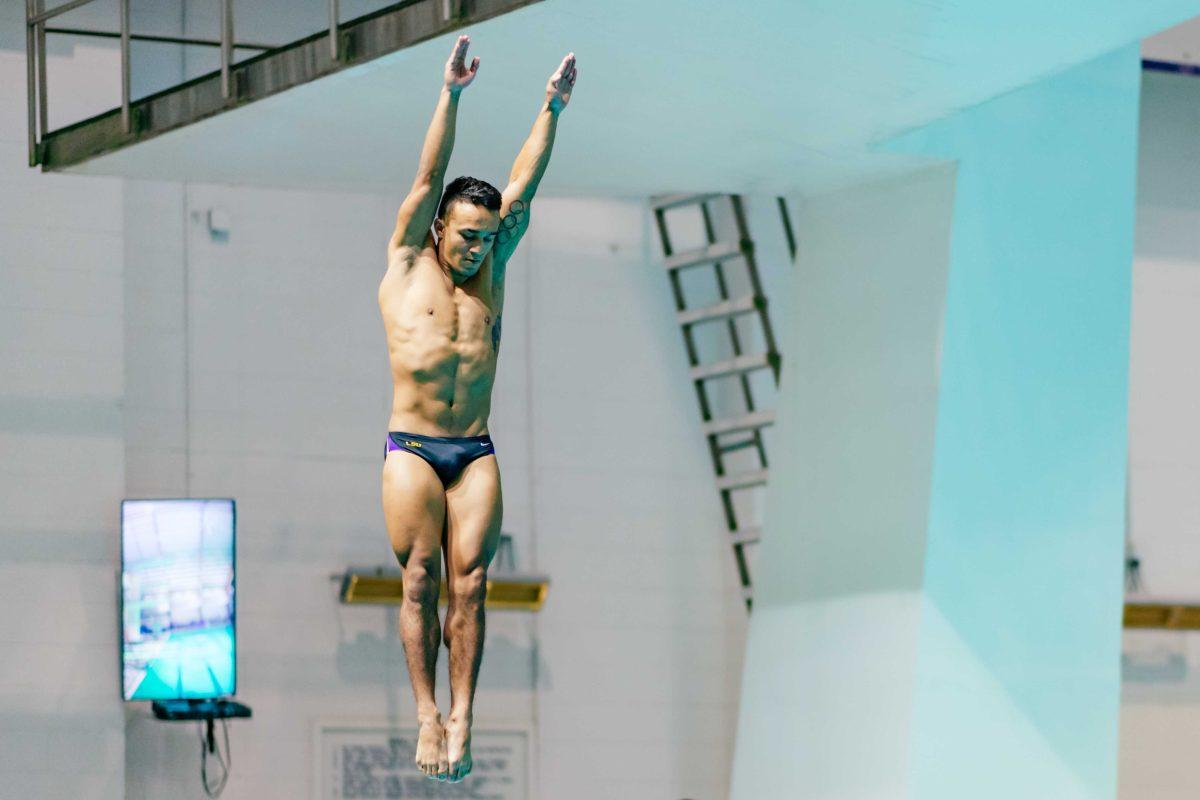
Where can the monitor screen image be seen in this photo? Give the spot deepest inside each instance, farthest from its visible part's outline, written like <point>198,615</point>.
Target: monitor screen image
<point>177,599</point>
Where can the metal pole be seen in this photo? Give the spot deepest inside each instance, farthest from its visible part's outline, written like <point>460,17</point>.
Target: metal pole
<point>31,81</point>
<point>333,29</point>
<point>125,117</point>
<point>226,45</point>
<point>788,233</point>
<point>43,97</point>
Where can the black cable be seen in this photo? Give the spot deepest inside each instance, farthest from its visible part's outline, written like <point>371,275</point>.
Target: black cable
<point>211,747</point>
<point>226,762</point>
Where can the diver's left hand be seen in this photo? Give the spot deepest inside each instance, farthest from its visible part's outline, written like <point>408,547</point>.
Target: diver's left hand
<point>562,82</point>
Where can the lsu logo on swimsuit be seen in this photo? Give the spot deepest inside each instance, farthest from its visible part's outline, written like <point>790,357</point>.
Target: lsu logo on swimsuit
<point>412,444</point>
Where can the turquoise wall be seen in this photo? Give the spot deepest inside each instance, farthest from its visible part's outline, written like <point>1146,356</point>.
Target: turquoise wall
<point>1023,561</point>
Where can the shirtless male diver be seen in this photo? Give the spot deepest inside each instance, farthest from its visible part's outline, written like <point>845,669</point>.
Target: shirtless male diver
<point>442,300</point>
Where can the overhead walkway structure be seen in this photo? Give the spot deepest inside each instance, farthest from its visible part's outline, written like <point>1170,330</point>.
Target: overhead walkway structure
<point>236,83</point>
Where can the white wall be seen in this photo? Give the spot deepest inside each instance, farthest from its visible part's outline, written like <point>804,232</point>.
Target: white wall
<point>832,645</point>
<point>1160,709</point>
<point>62,457</point>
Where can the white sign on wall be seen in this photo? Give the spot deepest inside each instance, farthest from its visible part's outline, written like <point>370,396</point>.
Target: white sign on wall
<point>371,760</point>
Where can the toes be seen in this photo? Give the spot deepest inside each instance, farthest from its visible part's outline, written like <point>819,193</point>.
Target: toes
<point>459,771</point>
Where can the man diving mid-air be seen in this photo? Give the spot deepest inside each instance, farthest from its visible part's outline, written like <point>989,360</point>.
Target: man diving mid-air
<point>442,300</point>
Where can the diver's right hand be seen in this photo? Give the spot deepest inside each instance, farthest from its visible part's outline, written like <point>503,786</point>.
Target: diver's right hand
<point>458,75</point>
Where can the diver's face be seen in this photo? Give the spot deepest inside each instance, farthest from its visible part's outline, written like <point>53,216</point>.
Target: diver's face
<point>465,237</point>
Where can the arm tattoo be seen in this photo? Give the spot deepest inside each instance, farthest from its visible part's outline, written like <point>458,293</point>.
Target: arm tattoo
<point>511,221</point>
<point>496,335</point>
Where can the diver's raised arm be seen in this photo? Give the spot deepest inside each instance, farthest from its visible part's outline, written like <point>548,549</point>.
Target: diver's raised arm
<point>533,159</point>
<point>417,211</point>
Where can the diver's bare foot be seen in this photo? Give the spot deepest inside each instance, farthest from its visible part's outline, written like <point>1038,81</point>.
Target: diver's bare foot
<point>458,747</point>
<point>431,747</point>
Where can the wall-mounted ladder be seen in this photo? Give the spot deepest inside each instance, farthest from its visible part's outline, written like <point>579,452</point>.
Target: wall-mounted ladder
<point>732,421</point>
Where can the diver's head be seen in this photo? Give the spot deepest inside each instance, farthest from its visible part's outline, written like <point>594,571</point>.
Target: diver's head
<point>467,220</point>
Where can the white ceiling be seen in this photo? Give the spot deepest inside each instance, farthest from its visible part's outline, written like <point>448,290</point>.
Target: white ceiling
<point>779,96</point>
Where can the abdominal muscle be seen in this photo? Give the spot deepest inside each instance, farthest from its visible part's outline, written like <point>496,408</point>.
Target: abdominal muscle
<point>420,407</point>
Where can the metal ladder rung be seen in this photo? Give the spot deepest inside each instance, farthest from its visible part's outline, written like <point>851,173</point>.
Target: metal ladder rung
<point>668,201</point>
<point>742,480</point>
<point>741,445</point>
<point>759,419</point>
<point>728,308</point>
<point>718,251</point>
<point>719,369</point>
<point>749,535</point>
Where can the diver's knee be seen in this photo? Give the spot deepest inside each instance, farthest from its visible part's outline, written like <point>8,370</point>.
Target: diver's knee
<point>420,583</point>
<point>470,587</point>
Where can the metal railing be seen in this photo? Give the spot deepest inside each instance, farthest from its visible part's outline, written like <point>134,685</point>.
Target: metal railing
<point>37,15</point>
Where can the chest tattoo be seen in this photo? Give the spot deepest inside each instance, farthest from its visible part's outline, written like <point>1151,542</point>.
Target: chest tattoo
<point>496,335</point>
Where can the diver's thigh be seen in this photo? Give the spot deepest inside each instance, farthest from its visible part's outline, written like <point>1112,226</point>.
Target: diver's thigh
<point>414,506</point>
<point>473,511</point>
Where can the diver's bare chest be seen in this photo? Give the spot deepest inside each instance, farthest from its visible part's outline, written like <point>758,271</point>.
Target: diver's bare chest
<point>427,313</point>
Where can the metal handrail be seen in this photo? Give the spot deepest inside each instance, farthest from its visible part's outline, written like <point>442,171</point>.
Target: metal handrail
<point>36,17</point>
<point>157,39</point>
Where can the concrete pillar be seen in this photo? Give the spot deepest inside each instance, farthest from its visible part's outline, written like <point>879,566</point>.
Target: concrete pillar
<point>938,595</point>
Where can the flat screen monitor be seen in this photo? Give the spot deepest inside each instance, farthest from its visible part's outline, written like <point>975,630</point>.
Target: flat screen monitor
<point>178,605</point>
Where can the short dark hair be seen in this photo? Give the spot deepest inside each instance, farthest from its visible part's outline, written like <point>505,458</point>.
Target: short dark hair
<point>472,190</point>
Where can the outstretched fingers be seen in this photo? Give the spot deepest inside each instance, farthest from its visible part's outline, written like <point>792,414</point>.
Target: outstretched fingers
<point>564,76</point>
<point>459,54</point>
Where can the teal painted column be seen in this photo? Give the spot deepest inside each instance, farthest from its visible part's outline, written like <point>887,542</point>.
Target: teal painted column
<point>1020,635</point>
<point>939,593</point>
